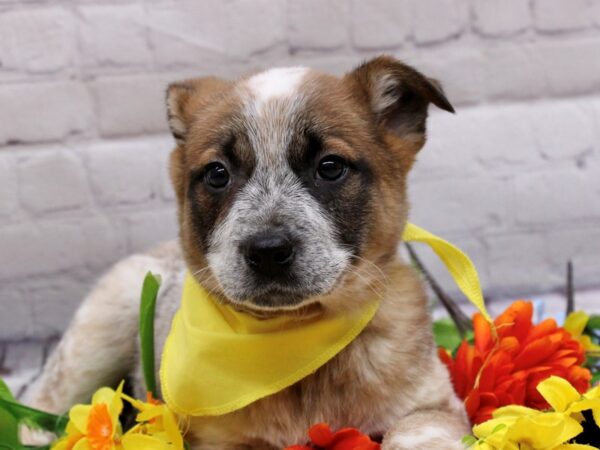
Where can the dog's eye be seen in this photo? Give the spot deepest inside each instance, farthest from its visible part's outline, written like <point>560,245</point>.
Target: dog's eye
<point>332,168</point>
<point>216,175</point>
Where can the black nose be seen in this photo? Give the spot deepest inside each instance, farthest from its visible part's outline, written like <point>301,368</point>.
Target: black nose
<point>269,253</point>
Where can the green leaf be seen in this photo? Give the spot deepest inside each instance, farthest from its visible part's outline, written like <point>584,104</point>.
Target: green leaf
<point>594,322</point>
<point>12,414</point>
<point>469,440</point>
<point>5,391</point>
<point>9,424</point>
<point>9,430</point>
<point>34,417</point>
<point>147,309</point>
<point>592,329</point>
<point>446,334</point>
<point>595,378</point>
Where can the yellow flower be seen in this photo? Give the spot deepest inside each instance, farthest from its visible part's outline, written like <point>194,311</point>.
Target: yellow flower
<point>69,440</point>
<point>157,427</point>
<point>575,324</point>
<point>95,426</point>
<point>518,427</point>
<point>594,394</point>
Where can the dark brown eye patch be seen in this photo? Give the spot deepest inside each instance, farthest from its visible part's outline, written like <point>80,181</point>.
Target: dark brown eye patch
<point>309,148</point>
<point>331,168</point>
<point>228,160</point>
<point>227,146</point>
<point>338,178</point>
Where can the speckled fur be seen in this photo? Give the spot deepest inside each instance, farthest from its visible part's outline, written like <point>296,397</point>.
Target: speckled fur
<point>389,380</point>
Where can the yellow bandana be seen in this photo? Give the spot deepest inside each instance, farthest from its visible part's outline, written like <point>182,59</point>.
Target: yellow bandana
<point>217,360</point>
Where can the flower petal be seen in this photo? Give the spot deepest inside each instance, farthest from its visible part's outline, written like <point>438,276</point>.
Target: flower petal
<point>543,328</point>
<point>115,406</point>
<point>483,333</point>
<point>61,444</point>
<point>472,402</point>
<point>575,447</point>
<point>172,429</point>
<point>535,352</point>
<point>351,442</point>
<point>558,392</point>
<point>513,411</point>
<point>137,404</point>
<point>544,430</point>
<point>487,428</point>
<point>103,395</point>
<point>575,323</point>
<point>493,432</point>
<point>320,434</point>
<point>150,413</point>
<point>516,320</point>
<point>588,345</point>
<point>141,441</point>
<point>345,433</point>
<point>83,444</point>
<point>78,415</point>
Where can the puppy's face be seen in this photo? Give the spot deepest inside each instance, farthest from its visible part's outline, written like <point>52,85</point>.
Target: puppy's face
<point>291,183</point>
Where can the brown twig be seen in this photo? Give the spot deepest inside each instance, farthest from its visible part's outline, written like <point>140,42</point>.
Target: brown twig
<point>3,370</point>
<point>461,320</point>
<point>570,291</point>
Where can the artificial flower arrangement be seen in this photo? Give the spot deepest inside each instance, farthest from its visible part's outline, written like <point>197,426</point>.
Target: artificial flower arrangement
<point>98,425</point>
<point>525,385</point>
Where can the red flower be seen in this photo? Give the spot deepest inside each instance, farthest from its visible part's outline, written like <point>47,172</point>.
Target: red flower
<point>322,438</point>
<point>494,373</point>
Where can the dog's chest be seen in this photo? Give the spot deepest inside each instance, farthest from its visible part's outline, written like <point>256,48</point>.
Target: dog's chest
<point>351,390</point>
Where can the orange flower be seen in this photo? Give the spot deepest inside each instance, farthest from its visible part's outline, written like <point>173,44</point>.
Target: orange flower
<point>321,437</point>
<point>100,428</point>
<point>95,426</point>
<point>503,371</point>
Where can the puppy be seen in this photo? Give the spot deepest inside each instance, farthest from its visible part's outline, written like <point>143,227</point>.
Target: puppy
<point>291,192</point>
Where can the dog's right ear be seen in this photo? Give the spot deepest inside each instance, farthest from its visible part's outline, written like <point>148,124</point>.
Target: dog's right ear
<point>187,97</point>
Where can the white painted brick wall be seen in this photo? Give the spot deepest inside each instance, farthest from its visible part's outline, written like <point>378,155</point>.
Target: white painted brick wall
<point>52,180</point>
<point>113,35</point>
<point>558,15</point>
<point>380,24</point>
<point>43,111</point>
<point>505,18</point>
<point>450,20</point>
<point>37,40</point>
<point>513,177</point>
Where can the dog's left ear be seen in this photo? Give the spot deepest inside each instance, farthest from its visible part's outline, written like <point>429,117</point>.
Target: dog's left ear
<point>397,94</point>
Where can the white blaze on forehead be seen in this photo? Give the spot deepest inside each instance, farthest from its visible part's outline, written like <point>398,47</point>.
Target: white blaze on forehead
<point>276,83</point>
<point>271,100</point>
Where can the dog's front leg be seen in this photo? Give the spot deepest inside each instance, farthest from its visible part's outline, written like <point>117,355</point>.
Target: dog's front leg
<point>436,420</point>
<point>428,430</point>
<point>98,348</point>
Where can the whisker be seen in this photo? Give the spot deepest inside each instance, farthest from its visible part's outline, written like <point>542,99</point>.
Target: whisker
<point>378,277</point>
<point>368,284</point>
<point>198,272</point>
<point>373,265</point>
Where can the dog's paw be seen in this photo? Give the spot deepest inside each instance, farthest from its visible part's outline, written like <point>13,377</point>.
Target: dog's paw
<point>30,436</point>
